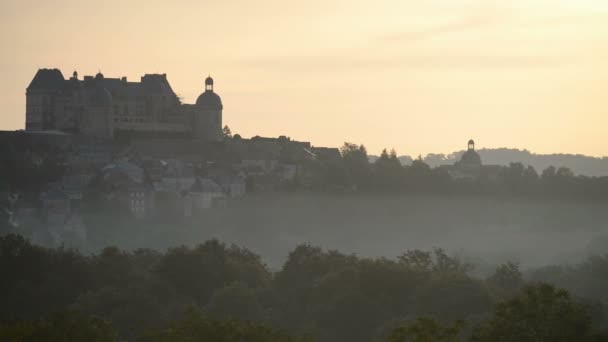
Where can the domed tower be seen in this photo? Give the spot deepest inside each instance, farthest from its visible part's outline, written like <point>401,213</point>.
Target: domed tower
<point>470,159</point>
<point>208,116</point>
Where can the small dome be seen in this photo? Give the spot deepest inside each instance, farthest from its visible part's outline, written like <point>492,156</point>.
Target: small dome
<point>99,76</point>
<point>471,142</point>
<point>210,100</point>
<point>470,158</point>
<point>101,96</point>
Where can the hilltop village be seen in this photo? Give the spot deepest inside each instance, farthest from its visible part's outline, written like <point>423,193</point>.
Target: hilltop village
<point>134,148</point>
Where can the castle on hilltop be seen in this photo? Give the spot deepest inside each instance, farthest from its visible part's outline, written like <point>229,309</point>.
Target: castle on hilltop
<point>110,108</point>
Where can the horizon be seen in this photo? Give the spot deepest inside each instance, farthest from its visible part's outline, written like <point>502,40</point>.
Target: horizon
<point>419,78</point>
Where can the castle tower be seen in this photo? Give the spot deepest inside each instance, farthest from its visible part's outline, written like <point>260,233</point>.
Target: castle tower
<point>208,114</point>
<point>43,97</point>
<point>97,120</point>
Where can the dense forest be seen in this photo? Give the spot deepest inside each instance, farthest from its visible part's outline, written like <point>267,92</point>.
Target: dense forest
<point>214,289</point>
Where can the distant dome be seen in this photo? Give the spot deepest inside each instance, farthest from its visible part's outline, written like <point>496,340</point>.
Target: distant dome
<point>472,142</point>
<point>209,81</point>
<point>99,76</point>
<point>209,100</point>
<point>470,158</point>
<point>101,96</point>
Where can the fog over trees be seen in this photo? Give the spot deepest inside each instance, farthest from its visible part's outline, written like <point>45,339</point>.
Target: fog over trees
<point>215,291</point>
<point>354,251</point>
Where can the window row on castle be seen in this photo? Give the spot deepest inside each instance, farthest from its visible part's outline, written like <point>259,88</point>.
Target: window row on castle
<point>130,120</point>
<point>139,110</point>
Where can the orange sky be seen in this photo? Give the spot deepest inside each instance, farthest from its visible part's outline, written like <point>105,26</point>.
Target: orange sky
<point>419,76</point>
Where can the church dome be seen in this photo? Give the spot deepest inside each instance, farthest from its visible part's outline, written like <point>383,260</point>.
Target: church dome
<point>209,100</point>
<point>101,96</point>
<point>470,158</point>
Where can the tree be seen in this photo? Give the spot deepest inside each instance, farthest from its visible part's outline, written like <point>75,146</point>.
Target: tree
<point>564,172</point>
<point>506,281</point>
<point>196,327</point>
<point>227,132</point>
<point>238,301</point>
<point>419,175</point>
<point>65,327</point>
<point>210,266</point>
<point>426,329</point>
<point>356,163</point>
<point>548,173</point>
<point>539,313</point>
<point>388,171</point>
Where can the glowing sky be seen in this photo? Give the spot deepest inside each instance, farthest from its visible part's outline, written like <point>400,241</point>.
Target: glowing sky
<point>419,76</point>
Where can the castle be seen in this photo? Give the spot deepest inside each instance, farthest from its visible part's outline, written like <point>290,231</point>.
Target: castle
<point>111,108</point>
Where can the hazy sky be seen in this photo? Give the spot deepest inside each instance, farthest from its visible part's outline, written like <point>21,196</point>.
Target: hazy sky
<point>419,76</point>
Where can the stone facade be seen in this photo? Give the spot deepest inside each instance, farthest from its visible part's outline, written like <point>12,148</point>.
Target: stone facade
<point>111,108</point>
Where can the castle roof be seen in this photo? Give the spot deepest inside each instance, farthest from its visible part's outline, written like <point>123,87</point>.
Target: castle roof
<point>47,79</point>
<point>150,84</point>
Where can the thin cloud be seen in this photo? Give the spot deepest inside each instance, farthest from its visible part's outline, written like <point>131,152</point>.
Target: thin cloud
<point>466,24</point>
<point>353,62</point>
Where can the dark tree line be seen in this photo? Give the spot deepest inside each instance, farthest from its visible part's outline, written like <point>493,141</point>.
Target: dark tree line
<point>216,290</point>
<point>354,172</point>
<point>28,166</point>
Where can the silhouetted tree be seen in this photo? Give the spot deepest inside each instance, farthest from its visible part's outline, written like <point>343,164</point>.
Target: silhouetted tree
<point>540,313</point>
<point>427,330</point>
<point>227,132</point>
<point>356,163</point>
<point>65,327</point>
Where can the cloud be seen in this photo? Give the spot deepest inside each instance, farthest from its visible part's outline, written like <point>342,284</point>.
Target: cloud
<point>482,16</point>
<point>469,23</point>
<point>351,62</point>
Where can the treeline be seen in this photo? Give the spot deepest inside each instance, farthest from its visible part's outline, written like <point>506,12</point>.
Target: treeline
<point>354,172</point>
<point>29,166</point>
<point>317,295</point>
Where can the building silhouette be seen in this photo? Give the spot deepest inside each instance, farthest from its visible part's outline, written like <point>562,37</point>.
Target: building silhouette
<point>470,166</point>
<point>110,108</point>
